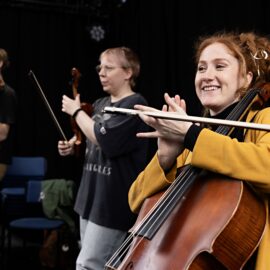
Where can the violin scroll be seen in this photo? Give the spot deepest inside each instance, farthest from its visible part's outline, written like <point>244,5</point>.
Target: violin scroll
<point>76,75</point>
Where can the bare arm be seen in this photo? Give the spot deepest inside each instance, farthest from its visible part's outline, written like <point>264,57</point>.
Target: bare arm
<point>4,129</point>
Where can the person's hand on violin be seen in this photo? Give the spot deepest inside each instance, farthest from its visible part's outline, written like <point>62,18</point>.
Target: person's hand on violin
<point>69,105</point>
<point>170,133</point>
<point>66,148</point>
<point>84,121</point>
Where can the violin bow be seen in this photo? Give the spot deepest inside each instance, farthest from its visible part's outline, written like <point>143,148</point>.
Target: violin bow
<point>38,87</point>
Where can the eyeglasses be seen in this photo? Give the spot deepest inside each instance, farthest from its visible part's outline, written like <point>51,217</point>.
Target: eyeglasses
<point>106,68</point>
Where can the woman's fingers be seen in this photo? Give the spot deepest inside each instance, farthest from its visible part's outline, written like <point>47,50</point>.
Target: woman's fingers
<point>144,108</point>
<point>153,134</point>
<point>176,104</point>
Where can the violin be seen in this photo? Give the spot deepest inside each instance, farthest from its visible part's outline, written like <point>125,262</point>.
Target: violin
<point>86,107</point>
<point>201,221</point>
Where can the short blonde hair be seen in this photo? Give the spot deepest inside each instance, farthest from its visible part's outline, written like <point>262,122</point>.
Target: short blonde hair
<point>128,59</point>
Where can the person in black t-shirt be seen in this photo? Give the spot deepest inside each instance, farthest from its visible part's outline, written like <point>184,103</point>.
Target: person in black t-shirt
<point>7,116</point>
<point>114,156</point>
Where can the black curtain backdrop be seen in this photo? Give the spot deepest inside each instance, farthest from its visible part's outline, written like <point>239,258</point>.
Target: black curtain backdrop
<point>52,42</point>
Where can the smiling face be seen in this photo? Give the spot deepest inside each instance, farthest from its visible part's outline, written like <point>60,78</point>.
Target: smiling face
<point>218,78</point>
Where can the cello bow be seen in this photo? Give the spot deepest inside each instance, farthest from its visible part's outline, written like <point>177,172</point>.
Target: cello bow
<point>188,118</point>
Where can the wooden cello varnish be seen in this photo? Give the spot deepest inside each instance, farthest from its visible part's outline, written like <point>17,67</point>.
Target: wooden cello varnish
<point>217,225</point>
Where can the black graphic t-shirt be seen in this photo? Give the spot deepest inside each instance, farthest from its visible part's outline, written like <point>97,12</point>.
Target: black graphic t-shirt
<point>112,166</point>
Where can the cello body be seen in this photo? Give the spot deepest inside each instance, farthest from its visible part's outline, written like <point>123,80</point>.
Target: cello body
<point>218,224</point>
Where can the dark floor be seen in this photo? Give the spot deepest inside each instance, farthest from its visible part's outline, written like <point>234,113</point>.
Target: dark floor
<point>19,257</point>
<point>28,257</point>
<point>22,259</point>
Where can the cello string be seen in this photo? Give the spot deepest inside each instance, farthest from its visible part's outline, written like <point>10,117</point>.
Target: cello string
<point>144,222</point>
<point>150,220</point>
<point>125,245</point>
<point>237,112</point>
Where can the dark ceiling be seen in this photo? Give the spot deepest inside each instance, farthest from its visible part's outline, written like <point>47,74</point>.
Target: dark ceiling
<point>99,8</point>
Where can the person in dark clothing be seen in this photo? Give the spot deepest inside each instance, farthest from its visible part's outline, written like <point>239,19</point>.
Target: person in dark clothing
<point>114,156</point>
<point>8,102</point>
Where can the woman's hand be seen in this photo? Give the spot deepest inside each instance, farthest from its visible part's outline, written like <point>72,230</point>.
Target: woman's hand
<point>170,133</point>
<point>66,148</point>
<point>69,105</point>
<point>166,129</point>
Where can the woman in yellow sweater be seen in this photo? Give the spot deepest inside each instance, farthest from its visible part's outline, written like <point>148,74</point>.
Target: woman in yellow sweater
<point>228,66</point>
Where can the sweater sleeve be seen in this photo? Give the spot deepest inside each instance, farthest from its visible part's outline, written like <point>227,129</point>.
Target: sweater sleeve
<point>152,180</point>
<point>248,160</point>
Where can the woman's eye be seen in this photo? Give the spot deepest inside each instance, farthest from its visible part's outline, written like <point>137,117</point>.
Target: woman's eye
<point>201,68</point>
<point>220,66</point>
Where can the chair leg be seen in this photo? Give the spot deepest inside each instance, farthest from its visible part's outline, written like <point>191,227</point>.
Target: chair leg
<point>2,250</point>
<point>9,243</point>
<point>23,242</point>
<point>3,236</point>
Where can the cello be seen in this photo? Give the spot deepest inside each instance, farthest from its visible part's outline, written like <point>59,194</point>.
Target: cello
<point>80,137</point>
<point>202,221</point>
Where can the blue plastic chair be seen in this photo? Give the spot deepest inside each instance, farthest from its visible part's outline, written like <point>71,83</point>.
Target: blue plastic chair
<point>33,196</point>
<point>20,171</point>
<point>32,223</point>
<point>13,187</point>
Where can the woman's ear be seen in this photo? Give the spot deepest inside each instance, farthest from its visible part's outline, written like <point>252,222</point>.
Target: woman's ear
<point>128,73</point>
<point>249,78</point>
